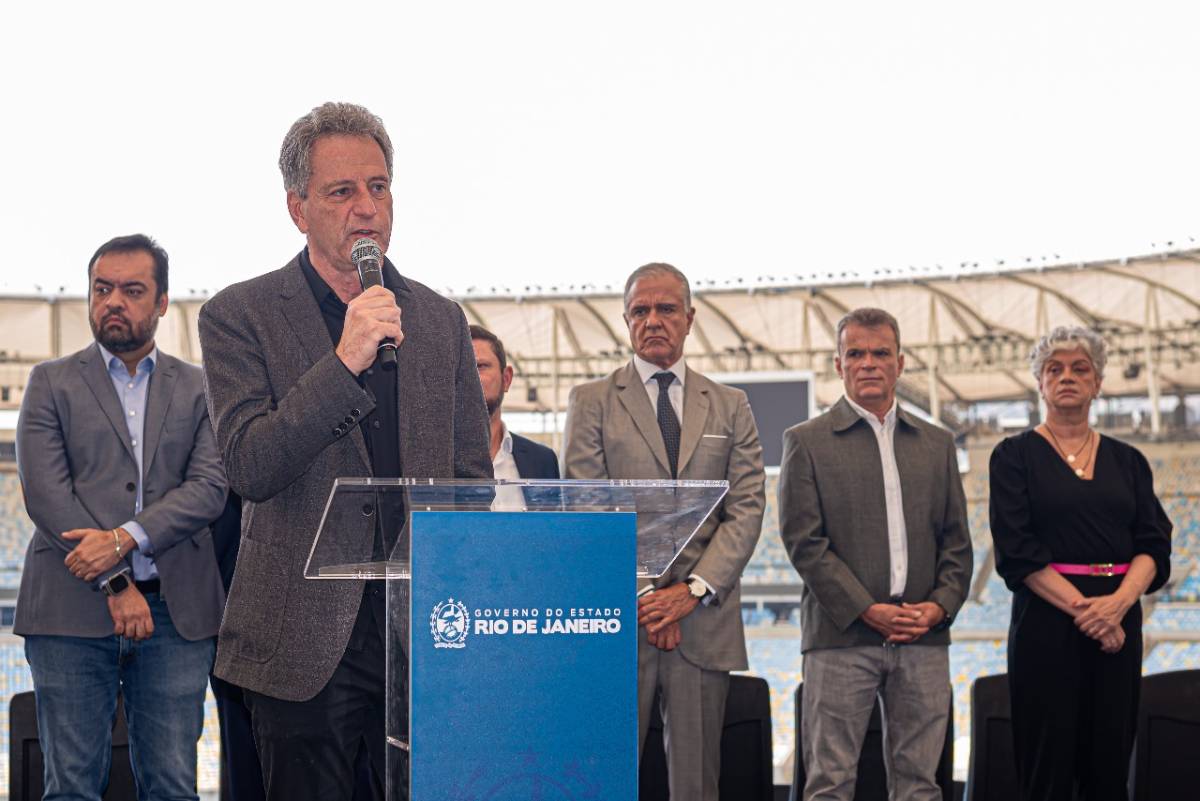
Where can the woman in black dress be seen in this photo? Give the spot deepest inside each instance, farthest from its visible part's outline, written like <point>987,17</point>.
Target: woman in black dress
<point>1079,537</point>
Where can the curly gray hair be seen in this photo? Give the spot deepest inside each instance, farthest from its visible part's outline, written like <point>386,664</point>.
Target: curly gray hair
<point>1069,338</point>
<point>327,119</point>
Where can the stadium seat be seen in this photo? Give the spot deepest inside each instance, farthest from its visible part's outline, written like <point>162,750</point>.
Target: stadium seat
<point>992,772</point>
<point>25,764</point>
<point>1166,757</point>
<point>746,768</point>
<point>872,776</point>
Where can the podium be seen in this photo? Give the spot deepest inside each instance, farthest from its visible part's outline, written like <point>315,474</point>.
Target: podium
<point>511,624</point>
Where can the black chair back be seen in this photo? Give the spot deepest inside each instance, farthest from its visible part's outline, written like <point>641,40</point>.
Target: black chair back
<point>992,771</point>
<point>26,780</point>
<point>746,767</point>
<point>872,772</point>
<point>1166,757</point>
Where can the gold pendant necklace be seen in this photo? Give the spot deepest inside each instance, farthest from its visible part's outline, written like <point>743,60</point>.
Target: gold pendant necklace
<point>1071,457</point>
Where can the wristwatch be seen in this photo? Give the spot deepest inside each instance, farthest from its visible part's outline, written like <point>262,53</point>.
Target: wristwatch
<point>116,583</point>
<point>697,589</point>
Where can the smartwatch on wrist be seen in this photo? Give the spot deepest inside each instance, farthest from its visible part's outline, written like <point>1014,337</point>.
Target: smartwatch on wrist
<point>116,583</point>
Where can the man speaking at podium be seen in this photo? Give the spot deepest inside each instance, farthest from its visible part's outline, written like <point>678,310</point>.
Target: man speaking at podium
<point>300,393</point>
<point>657,418</point>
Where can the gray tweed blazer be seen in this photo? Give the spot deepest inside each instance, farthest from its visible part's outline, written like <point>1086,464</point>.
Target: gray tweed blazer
<point>833,520</point>
<point>279,400</point>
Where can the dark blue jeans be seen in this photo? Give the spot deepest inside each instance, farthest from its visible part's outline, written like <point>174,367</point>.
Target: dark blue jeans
<point>163,680</point>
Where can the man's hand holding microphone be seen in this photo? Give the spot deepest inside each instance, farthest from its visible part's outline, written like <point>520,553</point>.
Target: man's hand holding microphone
<point>372,328</point>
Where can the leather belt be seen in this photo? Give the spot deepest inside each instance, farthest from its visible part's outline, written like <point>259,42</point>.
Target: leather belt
<point>1099,569</point>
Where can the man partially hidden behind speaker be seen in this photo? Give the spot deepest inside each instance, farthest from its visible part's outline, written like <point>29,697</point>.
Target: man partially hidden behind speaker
<point>297,399</point>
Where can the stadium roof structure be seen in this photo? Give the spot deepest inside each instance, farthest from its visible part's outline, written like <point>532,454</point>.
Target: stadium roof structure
<point>967,331</point>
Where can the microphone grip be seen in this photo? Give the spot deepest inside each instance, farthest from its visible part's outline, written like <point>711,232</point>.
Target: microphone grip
<point>386,355</point>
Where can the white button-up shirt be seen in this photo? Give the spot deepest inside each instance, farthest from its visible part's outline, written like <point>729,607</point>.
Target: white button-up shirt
<point>885,437</point>
<point>508,499</point>
<point>646,371</point>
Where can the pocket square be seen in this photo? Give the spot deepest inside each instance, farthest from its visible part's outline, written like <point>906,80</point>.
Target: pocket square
<point>715,436</point>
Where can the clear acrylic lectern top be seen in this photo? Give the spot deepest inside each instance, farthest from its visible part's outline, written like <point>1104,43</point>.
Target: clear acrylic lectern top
<point>668,514</point>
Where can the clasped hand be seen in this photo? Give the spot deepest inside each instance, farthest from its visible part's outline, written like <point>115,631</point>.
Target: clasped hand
<point>660,612</point>
<point>901,623</point>
<point>1099,617</point>
<point>95,553</point>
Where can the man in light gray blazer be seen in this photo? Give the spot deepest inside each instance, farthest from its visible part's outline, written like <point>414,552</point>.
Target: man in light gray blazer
<point>299,397</point>
<point>655,418</point>
<point>872,513</point>
<point>120,590</point>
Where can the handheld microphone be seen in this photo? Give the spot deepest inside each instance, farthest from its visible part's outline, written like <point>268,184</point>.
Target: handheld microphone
<point>367,258</point>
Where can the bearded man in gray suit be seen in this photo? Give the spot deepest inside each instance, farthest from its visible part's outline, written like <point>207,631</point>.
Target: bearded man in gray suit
<point>120,590</point>
<point>298,399</point>
<point>656,418</point>
<point>872,513</point>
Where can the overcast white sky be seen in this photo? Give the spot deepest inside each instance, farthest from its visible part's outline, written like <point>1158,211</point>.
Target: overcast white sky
<point>557,143</point>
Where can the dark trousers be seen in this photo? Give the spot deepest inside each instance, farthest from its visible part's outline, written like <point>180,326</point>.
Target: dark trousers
<point>241,775</point>
<point>309,749</point>
<point>1074,708</point>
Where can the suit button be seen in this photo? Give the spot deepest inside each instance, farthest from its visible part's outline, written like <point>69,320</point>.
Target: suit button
<point>130,487</point>
<point>349,419</point>
<point>355,412</point>
<point>368,509</point>
<point>337,431</point>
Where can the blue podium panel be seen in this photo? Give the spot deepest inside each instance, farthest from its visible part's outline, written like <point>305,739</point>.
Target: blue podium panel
<point>523,656</point>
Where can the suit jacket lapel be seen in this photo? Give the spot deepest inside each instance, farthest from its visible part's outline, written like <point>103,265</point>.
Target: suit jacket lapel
<point>304,316</point>
<point>410,382</point>
<point>158,401</point>
<point>633,397</point>
<point>695,414</point>
<point>95,375</point>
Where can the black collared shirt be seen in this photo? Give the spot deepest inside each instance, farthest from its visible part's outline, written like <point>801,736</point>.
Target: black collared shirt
<point>380,428</point>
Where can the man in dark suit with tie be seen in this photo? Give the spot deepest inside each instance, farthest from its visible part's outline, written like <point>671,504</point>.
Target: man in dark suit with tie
<point>513,456</point>
<point>120,590</point>
<point>657,418</point>
<point>298,399</point>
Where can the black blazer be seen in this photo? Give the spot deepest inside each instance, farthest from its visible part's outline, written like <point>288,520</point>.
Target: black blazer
<point>534,460</point>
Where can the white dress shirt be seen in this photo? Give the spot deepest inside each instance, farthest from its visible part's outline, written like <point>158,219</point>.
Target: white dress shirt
<point>503,464</point>
<point>646,372</point>
<point>885,437</point>
<point>508,499</point>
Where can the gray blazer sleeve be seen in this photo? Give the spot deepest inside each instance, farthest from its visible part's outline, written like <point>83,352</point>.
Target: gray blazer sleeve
<point>583,438</point>
<point>267,444</point>
<point>954,558</point>
<point>49,489</point>
<point>199,498</point>
<point>802,527</point>
<point>733,542</point>
<point>472,451</point>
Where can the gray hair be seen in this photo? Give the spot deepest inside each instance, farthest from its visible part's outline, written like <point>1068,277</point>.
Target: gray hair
<point>658,268</point>
<point>327,119</point>
<point>867,318</point>
<point>1069,338</point>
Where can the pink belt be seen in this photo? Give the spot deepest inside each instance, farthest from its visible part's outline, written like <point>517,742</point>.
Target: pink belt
<point>1103,569</point>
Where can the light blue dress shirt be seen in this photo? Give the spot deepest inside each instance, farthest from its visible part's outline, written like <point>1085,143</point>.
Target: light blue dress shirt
<point>131,393</point>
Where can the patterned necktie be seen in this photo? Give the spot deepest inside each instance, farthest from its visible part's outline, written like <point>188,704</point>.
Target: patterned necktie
<point>667,421</point>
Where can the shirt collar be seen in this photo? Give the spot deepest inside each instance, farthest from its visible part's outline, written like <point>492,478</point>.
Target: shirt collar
<point>112,361</point>
<point>506,444</point>
<point>889,419</point>
<point>325,294</point>
<point>646,370</point>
